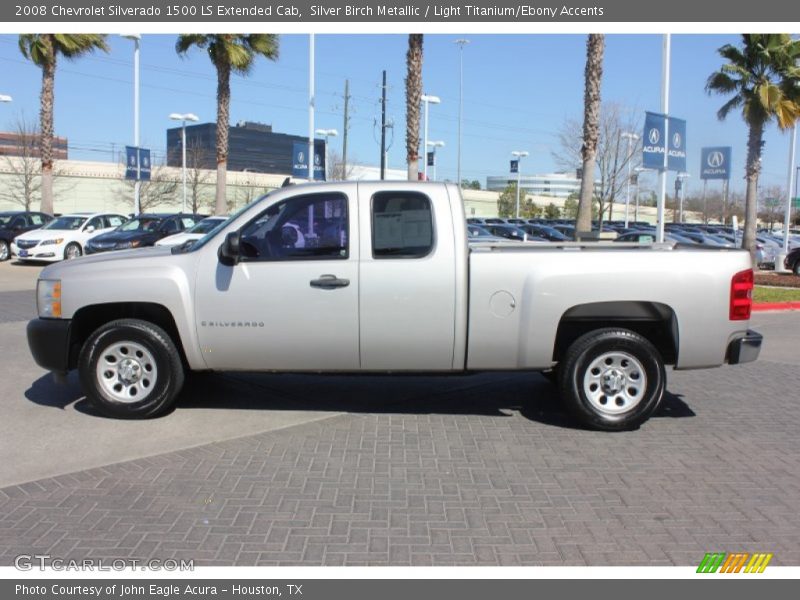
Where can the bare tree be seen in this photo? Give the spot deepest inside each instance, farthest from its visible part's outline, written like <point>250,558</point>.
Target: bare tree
<point>338,171</point>
<point>25,168</point>
<point>198,178</point>
<point>160,190</point>
<point>611,154</point>
<point>771,205</point>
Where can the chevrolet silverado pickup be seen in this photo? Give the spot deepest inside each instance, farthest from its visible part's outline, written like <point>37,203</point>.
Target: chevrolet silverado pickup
<point>380,277</point>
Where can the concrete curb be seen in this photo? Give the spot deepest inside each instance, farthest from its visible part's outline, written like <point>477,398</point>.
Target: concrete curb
<point>767,306</point>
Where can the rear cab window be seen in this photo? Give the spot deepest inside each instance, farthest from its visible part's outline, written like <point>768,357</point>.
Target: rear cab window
<point>402,225</point>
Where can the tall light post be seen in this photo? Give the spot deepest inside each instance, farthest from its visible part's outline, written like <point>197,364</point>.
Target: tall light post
<point>787,217</point>
<point>638,171</point>
<point>434,144</point>
<point>682,176</point>
<point>631,137</point>
<point>666,50</point>
<point>5,98</point>
<point>519,154</point>
<point>183,117</point>
<point>311,103</point>
<point>427,100</point>
<point>137,40</point>
<point>461,43</point>
<point>326,133</point>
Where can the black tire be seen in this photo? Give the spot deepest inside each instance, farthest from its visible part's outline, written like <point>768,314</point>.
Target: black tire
<point>574,378</point>
<point>5,251</point>
<point>73,245</point>
<point>797,268</point>
<point>166,364</point>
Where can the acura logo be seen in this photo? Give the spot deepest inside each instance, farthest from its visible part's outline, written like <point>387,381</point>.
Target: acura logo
<point>676,140</point>
<point>715,159</point>
<point>301,157</point>
<point>654,136</point>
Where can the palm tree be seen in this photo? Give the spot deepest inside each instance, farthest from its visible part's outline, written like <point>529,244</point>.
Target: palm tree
<point>763,76</point>
<point>593,75</point>
<point>413,99</point>
<point>43,50</point>
<point>228,53</point>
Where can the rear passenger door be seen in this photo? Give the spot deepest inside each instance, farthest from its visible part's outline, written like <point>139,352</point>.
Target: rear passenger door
<point>407,274</point>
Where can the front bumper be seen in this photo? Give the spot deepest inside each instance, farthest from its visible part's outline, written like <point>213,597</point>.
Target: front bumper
<point>745,348</point>
<point>49,341</point>
<point>50,253</point>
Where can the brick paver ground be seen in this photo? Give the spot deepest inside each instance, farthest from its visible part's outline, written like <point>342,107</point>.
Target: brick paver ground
<point>489,474</point>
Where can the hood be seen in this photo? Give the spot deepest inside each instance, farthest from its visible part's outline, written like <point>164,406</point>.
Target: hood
<point>45,234</point>
<point>123,236</point>
<point>177,238</point>
<point>64,268</point>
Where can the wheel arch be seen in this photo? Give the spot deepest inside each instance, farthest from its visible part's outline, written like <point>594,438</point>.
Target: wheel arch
<point>89,318</point>
<point>654,321</point>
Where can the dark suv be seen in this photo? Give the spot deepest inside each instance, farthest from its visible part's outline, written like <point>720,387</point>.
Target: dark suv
<point>792,261</point>
<point>143,230</point>
<point>15,222</point>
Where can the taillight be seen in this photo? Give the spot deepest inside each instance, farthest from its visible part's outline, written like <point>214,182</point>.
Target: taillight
<point>741,295</point>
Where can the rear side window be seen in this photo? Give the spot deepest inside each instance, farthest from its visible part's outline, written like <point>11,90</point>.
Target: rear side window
<point>36,219</point>
<point>402,225</point>
<point>114,220</point>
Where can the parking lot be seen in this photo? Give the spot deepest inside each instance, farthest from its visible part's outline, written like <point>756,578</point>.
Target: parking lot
<point>473,470</point>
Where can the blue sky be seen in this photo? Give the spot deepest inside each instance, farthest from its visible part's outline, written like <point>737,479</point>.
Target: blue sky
<point>518,90</point>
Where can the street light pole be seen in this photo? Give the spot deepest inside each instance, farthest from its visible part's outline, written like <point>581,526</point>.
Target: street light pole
<point>183,117</point>
<point>311,103</point>
<point>787,217</point>
<point>326,133</point>
<point>136,38</point>
<point>665,65</point>
<point>519,154</point>
<point>461,43</point>
<point>631,137</point>
<point>427,99</point>
<point>683,176</point>
<point>434,144</point>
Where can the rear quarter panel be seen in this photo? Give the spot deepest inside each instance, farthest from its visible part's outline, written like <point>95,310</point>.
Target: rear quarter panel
<point>518,297</point>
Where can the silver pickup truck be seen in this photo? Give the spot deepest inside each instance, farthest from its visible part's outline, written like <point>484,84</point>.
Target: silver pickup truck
<point>380,277</point>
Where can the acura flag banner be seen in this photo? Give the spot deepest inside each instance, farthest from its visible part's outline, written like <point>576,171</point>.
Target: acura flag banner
<point>654,144</point>
<point>715,162</point>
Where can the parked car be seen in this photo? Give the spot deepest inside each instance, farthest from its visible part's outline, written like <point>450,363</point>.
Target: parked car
<point>193,233</point>
<point>543,231</point>
<point>64,237</point>
<point>16,222</point>
<point>649,237</point>
<point>401,292</point>
<point>476,233</point>
<point>509,232</point>
<point>143,230</point>
<point>792,261</point>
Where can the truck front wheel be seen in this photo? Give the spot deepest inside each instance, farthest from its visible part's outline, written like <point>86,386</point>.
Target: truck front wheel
<point>612,379</point>
<point>130,369</point>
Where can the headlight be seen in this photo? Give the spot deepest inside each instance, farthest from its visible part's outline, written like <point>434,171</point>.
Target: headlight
<point>51,242</point>
<point>123,245</point>
<point>48,298</point>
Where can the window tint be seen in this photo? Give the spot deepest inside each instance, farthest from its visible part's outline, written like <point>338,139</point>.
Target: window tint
<point>96,222</point>
<point>114,220</point>
<point>313,226</point>
<point>187,222</point>
<point>18,222</point>
<point>171,226</point>
<point>402,225</point>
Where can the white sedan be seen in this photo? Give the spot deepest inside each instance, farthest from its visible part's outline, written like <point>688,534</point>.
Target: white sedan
<point>193,233</point>
<point>64,237</point>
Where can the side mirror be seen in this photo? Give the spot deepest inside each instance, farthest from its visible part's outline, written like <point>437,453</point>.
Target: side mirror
<point>90,229</point>
<point>229,250</point>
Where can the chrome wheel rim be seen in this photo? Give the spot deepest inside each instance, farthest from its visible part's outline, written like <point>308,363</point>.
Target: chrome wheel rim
<point>127,372</point>
<point>3,251</point>
<point>615,383</point>
<point>73,252</point>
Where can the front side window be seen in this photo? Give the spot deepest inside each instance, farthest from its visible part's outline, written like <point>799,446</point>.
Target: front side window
<point>402,225</point>
<point>313,226</point>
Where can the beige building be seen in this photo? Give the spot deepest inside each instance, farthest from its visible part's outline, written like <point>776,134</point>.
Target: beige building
<point>100,186</point>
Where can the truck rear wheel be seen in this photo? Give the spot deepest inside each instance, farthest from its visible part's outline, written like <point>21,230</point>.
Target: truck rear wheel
<point>130,369</point>
<point>612,379</point>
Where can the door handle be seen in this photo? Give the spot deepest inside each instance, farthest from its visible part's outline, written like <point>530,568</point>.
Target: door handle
<point>329,282</point>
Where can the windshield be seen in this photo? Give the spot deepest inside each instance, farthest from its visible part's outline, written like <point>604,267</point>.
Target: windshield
<point>67,223</point>
<point>140,224</point>
<point>206,225</point>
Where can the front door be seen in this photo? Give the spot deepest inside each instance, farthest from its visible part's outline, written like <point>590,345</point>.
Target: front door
<point>291,303</point>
